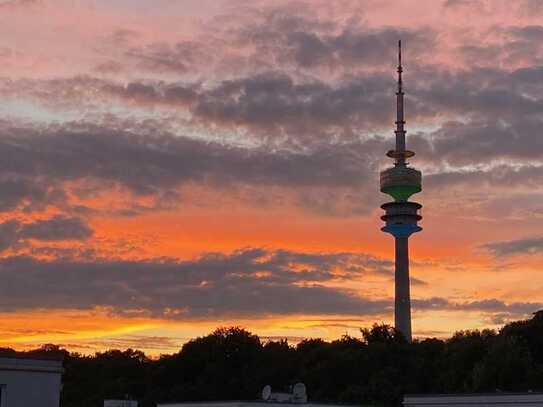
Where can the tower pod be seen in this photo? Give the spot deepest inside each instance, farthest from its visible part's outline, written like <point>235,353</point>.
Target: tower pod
<point>401,218</point>
<point>401,182</point>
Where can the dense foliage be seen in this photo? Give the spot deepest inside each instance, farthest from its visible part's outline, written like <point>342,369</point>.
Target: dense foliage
<point>376,369</point>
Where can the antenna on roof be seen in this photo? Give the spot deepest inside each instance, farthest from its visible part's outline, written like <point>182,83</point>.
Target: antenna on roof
<point>266,392</point>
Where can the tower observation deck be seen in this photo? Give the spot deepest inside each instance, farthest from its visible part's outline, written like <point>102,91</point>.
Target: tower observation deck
<point>401,217</point>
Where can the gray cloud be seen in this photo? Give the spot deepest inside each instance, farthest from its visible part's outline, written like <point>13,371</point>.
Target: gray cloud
<point>248,282</point>
<point>151,161</point>
<point>531,245</point>
<point>314,131</point>
<point>275,101</point>
<point>159,163</point>
<point>13,232</point>
<point>460,144</point>
<point>491,306</point>
<point>56,228</point>
<point>279,36</point>
<point>495,176</point>
<point>257,38</point>
<point>460,3</point>
<point>501,111</point>
<point>27,193</point>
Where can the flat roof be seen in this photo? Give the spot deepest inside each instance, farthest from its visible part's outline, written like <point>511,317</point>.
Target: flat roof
<point>13,354</point>
<point>31,365</point>
<point>482,399</point>
<point>242,403</point>
<point>527,393</point>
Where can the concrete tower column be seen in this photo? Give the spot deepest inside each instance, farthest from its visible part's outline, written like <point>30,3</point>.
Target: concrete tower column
<point>402,306</point>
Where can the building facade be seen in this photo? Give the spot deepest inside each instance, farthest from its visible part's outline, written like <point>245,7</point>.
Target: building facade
<point>120,403</point>
<point>30,382</point>
<point>476,400</point>
<point>246,404</point>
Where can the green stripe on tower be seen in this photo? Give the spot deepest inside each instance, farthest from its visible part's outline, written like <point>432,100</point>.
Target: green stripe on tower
<point>401,193</point>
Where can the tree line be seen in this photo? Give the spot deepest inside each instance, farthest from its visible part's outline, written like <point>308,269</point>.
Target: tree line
<point>375,369</point>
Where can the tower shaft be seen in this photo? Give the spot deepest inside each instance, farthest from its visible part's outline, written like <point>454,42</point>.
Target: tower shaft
<point>402,301</point>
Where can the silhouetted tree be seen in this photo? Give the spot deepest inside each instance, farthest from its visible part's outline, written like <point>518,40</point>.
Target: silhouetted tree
<point>376,369</point>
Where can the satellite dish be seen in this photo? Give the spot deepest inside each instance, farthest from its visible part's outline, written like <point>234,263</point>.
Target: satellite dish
<point>299,392</point>
<point>266,392</point>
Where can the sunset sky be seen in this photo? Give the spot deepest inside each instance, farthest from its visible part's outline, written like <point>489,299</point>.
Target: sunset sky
<point>171,166</point>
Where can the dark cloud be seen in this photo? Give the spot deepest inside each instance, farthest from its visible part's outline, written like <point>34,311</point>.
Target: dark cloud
<point>508,47</point>
<point>499,176</point>
<point>275,101</point>
<point>490,306</point>
<point>143,342</point>
<point>501,112</point>
<point>56,228</point>
<point>246,283</point>
<point>27,193</point>
<point>159,163</point>
<point>249,282</point>
<point>462,3</point>
<point>256,38</point>
<point>477,92</point>
<point>473,143</point>
<point>143,162</point>
<point>13,232</point>
<point>313,131</point>
<point>311,134</point>
<point>288,36</point>
<point>528,33</point>
<point>8,234</point>
<point>531,245</point>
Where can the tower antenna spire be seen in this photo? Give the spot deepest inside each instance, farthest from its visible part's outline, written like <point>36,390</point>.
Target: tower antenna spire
<point>401,216</point>
<point>400,69</point>
<point>400,122</point>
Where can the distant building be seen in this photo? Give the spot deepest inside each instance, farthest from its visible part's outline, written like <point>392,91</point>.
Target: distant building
<point>244,404</point>
<point>28,382</point>
<point>471,400</point>
<point>296,397</point>
<point>120,403</point>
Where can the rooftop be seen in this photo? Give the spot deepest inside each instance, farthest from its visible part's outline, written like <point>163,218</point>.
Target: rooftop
<point>31,365</point>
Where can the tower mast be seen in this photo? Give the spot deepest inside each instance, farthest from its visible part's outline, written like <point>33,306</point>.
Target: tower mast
<point>401,217</point>
<point>400,122</point>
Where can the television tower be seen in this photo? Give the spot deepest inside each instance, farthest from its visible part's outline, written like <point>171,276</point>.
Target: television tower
<point>401,217</point>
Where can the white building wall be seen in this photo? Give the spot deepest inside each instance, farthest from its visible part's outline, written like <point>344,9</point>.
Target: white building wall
<point>30,383</point>
<point>476,400</point>
<point>245,404</point>
<point>120,403</point>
